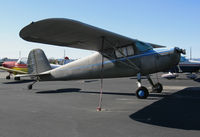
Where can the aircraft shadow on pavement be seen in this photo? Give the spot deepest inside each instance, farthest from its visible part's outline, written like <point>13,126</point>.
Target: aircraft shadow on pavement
<point>179,110</point>
<point>89,81</point>
<point>136,77</point>
<point>67,90</point>
<point>124,94</point>
<point>18,82</point>
<point>197,79</point>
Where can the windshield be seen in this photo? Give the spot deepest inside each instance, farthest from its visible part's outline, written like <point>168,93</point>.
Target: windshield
<point>22,61</point>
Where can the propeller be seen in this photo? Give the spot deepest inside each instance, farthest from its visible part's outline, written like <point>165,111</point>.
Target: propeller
<point>183,51</point>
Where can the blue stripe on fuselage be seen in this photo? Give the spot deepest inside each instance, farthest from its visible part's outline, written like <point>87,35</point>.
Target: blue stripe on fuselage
<point>149,52</point>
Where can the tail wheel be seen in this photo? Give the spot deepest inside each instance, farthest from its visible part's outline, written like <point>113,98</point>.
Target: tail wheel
<point>7,77</point>
<point>157,88</point>
<point>142,93</point>
<point>30,86</point>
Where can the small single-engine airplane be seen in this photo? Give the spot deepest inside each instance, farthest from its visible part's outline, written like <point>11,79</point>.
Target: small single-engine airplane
<point>116,56</point>
<point>15,67</point>
<point>185,66</point>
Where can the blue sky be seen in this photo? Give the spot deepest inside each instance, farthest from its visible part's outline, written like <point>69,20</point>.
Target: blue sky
<point>166,22</point>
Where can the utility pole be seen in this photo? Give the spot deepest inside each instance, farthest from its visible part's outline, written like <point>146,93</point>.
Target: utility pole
<point>64,53</point>
<point>19,54</point>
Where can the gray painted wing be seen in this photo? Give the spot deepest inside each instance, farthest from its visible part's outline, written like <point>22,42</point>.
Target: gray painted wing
<point>71,33</point>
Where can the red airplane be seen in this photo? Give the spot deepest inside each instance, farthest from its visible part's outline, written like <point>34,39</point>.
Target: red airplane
<point>15,67</point>
<point>20,67</point>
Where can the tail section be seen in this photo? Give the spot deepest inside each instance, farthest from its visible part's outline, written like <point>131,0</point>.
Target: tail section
<point>37,62</point>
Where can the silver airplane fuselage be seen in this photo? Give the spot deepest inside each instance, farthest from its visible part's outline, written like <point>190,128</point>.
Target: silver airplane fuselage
<point>91,67</point>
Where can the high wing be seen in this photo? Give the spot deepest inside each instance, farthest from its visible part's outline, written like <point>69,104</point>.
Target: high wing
<point>71,33</point>
<point>13,70</point>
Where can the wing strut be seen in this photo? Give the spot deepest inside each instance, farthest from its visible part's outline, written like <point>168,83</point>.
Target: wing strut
<point>101,89</point>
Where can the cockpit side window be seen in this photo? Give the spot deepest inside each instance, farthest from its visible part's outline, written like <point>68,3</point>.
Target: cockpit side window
<point>124,51</point>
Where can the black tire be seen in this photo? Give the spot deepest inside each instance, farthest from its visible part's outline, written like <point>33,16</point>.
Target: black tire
<point>30,87</point>
<point>142,93</point>
<point>158,88</point>
<point>7,77</point>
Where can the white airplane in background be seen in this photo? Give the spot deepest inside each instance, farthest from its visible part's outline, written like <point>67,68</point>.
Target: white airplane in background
<point>116,56</point>
<point>185,66</point>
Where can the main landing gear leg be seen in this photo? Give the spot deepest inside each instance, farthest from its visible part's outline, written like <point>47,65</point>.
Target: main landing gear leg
<point>157,88</point>
<point>142,92</point>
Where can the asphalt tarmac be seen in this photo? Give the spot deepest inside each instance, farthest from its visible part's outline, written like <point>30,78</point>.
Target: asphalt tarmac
<point>68,109</point>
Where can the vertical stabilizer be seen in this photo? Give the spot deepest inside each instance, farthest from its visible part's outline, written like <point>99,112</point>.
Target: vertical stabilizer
<point>37,62</point>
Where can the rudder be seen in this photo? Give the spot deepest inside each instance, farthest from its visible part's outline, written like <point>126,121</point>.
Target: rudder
<point>37,62</point>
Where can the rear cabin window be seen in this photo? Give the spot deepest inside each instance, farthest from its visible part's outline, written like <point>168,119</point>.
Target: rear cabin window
<point>142,47</point>
<point>124,51</point>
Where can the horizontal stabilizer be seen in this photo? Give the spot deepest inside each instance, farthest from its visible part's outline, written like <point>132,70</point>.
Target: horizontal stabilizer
<point>33,75</point>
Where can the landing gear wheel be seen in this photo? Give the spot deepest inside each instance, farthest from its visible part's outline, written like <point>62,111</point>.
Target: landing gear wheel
<point>142,93</point>
<point>17,78</point>
<point>7,77</point>
<point>157,88</point>
<point>30,86</point>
